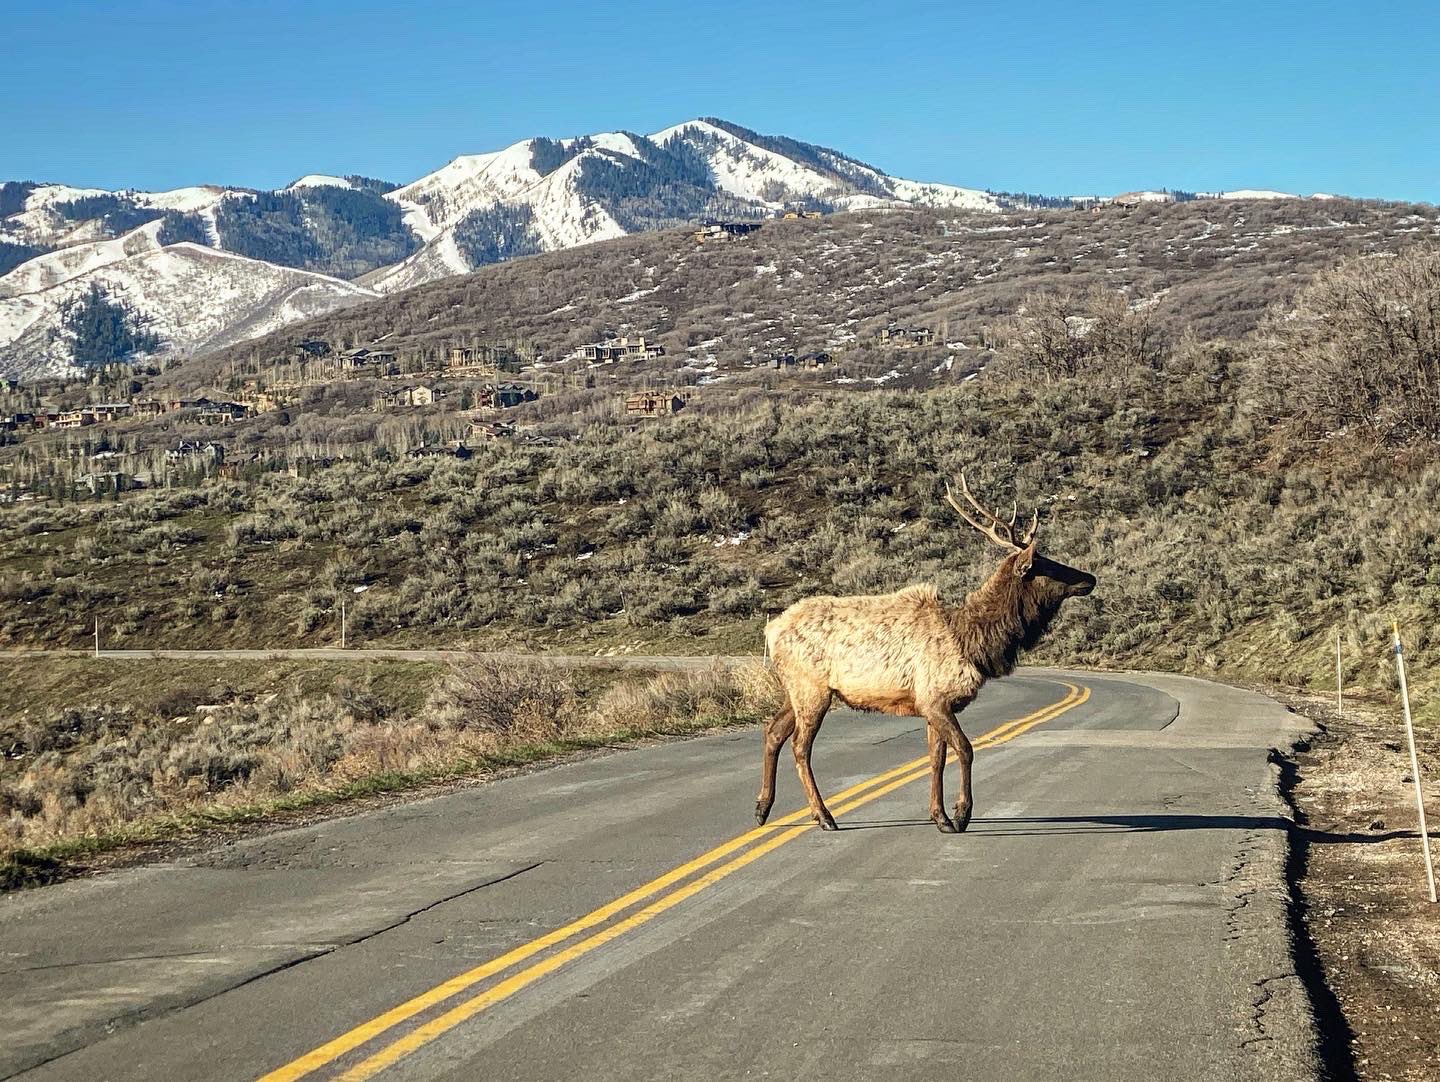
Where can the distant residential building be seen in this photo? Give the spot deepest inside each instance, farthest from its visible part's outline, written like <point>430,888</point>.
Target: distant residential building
<point>903,337</point>
<point>367,357</point>
<point>506,396</point>
<point>111,481</point>
<point>653,403</point>
<point>408,396</point>
<point>185,450</point>
<point>222,413</point>
<point>145,408</point>
<point>721,231</point>
<point>73,419</point>
<point>483,358</point>
<point>617,349</point>
<point>309,349</point>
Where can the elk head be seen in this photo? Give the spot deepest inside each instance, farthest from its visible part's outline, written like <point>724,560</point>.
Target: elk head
<point>1048,580</point>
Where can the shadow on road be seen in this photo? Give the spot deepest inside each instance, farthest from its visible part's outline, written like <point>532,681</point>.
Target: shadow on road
<point>1043,825</point>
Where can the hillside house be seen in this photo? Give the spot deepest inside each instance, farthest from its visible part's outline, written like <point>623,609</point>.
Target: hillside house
<point>310,349</point>
<point>810,361</point>
<point>899,337</point>
<point>453,449</point>
<point>400,397</point>
<point>186,404</point>
<point>617,349</point>
<point>146,408</point>
<point>653,403</point>
<point>72,419</point>
<point>486,431</point>
<point>506,396</point>
<point>483,358</point>
<point>189,450</point>
<point>721,231</point>
<point>108,411</point>
<point>222,413</point>
<point>112,481</point>
<point>368,358</point>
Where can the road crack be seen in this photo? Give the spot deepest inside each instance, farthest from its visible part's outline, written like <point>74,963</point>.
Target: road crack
<point>101,1030</point>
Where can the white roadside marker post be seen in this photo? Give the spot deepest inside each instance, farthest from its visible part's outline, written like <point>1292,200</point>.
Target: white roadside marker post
<point>1414,761</point>
<point>1339,679</point>
<point>342,624</point>
<point>97,636</point>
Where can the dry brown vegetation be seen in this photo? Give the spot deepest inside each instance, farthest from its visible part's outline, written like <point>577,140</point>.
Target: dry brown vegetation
<point>1359,351</point>
<point>79,769</point>
<point>1220,545</point>
<point>1209,267</point>
<point>1364,891</point>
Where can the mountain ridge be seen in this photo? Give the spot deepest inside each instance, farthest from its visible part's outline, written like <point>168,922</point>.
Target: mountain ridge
<point>536,195</point>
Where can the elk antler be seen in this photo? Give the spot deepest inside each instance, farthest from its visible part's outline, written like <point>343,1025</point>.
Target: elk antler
<point>994,527</point>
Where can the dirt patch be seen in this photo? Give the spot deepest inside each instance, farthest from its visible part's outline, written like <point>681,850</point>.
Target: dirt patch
<point>1375,934</point>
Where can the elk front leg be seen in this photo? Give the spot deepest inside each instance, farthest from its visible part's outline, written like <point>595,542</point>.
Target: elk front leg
<point>777,730</point>
<point>942,720</point>
<point>965,756</point>
<point>937,780</point>
<point>806,728</point>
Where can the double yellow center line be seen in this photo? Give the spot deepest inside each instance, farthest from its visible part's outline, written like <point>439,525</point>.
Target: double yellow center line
<point>769,838</point>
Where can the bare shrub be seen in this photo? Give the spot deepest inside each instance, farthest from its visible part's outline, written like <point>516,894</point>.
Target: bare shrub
<point>1359,350</point>
<point>521,701</point>
<point>1060,336</point>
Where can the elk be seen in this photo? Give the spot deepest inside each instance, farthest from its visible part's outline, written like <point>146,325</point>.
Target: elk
<point>909,654</point>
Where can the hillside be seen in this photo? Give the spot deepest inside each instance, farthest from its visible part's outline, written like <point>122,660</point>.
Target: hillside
<point>537,195</point>
<point>1235,525</point>
<point>1241,502</point>
<point>196,298</point>
<point>1209,267</point>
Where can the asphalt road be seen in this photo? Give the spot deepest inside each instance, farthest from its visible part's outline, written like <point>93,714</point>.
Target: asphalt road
<point>1116,911</point>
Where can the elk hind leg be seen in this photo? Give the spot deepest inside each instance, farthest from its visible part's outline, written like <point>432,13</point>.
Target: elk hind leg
<point>777,730</point>
<point>937,779</point>
<point>807,725</point>
<point>965,758</point>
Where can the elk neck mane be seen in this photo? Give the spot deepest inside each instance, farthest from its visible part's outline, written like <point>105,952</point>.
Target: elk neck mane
<point>1003,617</point>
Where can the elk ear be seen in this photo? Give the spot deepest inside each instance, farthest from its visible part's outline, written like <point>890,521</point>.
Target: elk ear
<point>1024,560</point>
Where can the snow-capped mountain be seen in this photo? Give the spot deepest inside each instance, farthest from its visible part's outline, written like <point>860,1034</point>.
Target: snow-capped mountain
<point>195,298</point>
<point>543,194</point>
<point>332,240</point>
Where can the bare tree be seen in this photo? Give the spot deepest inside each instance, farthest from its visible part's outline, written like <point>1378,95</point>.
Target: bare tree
<point>1359,350</point>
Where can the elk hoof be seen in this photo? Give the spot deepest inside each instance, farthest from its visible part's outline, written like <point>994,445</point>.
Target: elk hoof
<point>826,821</point>
<point>961,821</point>
<point>943,824</point>
<point>762,812</point>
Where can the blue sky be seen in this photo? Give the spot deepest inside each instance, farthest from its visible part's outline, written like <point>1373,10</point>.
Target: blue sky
<point>1051,97</point>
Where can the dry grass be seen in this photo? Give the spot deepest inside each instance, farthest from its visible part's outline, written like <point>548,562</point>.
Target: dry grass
<point>82,775</point>
<point>1364,889</point>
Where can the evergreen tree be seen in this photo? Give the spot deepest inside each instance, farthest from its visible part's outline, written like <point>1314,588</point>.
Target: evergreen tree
<point>104,330</point>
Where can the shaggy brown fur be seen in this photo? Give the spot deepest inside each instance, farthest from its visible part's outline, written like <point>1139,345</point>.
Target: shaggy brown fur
<point>907,653</point>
